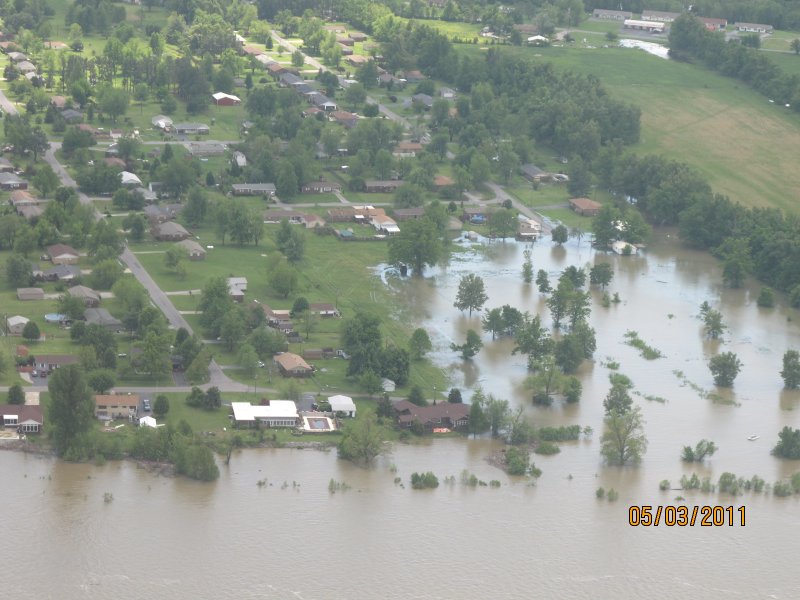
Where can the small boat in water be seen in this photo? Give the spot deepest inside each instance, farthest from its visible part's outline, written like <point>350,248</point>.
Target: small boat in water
<point>753,438</point>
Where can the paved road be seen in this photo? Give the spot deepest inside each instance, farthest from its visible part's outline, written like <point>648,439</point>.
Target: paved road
<point>7,106</point>
<point>500,196</point>
<point>159,298</point>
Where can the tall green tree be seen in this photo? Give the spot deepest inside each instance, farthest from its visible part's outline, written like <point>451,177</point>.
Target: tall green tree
<point>419,344</point>
<point>417,245</point>
<point>725,367</point>
<point>471,293</point>
<point>470,347</point>
<point>623,441</point>
<point>791,369</point>
<point>70,412</point>
<point>363,440</point>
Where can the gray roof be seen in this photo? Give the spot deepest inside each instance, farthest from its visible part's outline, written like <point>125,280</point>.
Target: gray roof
<point>256,187</point>
<point>531,170</point>
<point>100,316</point>
<point>10,178</point>
<point>63,271</point>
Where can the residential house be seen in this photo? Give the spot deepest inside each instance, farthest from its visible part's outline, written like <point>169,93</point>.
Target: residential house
<point>6,166</point>
<point>324,310</point>
<point>60,102</point>
<point>659,15</point>
<point>22,418</point>
<point>9,181</point>
<point>408,214</point>
<point>382,186</point>
<point>753,27</point>
<point>318,353</point>
<point>25,66</point>
<point>341,215</point>
<point>30,212</point>
<point>56,45</point>
<point>407,149</point>
<point>15,325</point>
<point>648,26</point>
<point>347,119</point>
<point>252,50</point>
<point>51,362</point>
<point>346,50</point>
<point>388,80</point>
<point>357,36</point>
<point>321,186</point>
<point>714,24</point>
<point>288,79</point>
<point>91,299</point>
<point>205,148</point>
<point>192,129</point>
<point>476,214</point>
<point>345,40</point>
<point>19,198</point>
<point>59,273</point>
<point>526,29</point>
<point>414,76</point>
<point>342,404</point>
<point>442,181</point>
<point>292,365</point>
<point>271,413</point>
<point>311,221</point>
<point>239,159</point>
<point>533,173</point>
<point>446,415</point>
<point>129,179</point>
<point>312,111</point>
<point>322,101</point>
<point>357,60</point>
<point>170,231</point>
<point>613,15</point>
<point>116,406</point>
<point>387,385</point>
<point>237,286</point>
<point>223,99</point>
<point>585,207</point>
<point>422,99</point>
<point>17,56</point>
<point>157,214</point>
<point>100,316</point>
<point>162,122</point>
<point>276,69</point>
<point>30,294</point>
<point>195,250</point>
<point>279,214</point>
<point>253,189</point>
<point>528,230</point>
<point>383,223</point>
<point>71,116</point>
<point>61,254</point>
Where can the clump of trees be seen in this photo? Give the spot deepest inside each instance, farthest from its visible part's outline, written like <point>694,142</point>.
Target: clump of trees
<point>363,440</point>
<point>424,481</point>
<point>702,449</point>
<point>725,367</point>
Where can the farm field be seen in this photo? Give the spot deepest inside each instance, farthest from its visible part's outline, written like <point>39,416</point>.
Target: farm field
<point>744,145</point>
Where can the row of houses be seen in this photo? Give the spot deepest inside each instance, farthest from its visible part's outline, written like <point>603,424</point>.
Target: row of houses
<point>90,297</point>
<point>665,17</point>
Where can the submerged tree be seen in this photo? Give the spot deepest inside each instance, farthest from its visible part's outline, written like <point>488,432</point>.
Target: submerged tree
<point>471,293</point>
<point>623,441</point>
<point>725,367</point>
<point>791,369</point>
<point>699,452</point>
<point>363,440</point>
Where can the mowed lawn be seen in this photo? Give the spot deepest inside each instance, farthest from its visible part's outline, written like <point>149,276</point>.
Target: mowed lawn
<point>746,146</point>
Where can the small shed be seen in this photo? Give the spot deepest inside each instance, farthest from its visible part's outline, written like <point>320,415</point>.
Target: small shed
<point>15,325</point>
<point>148,421</point>
<point>388,385</point>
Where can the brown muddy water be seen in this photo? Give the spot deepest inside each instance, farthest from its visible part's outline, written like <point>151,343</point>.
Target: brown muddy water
<point>291,538</point>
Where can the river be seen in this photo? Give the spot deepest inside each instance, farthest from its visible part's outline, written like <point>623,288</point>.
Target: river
<point>171,538</point>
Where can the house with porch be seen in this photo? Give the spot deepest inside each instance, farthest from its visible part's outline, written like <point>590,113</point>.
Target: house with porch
<point>270,413</point>
<point>22,418</point>
<point>116,406</point>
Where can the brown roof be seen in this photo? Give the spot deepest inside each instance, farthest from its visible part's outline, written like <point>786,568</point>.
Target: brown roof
<point>81,291</point>
<point>408,147</point>
<point>585,204</point>
<point>60,250</point>
<point>292,362</point>
<point>343,115</point>
<point>24,412</point>
<point>322,307</point>
<point>117,400</point>
<point>411,412</point>
<point>21,196</point>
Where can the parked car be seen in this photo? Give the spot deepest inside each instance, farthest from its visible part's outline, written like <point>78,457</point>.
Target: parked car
<point>146,404</point>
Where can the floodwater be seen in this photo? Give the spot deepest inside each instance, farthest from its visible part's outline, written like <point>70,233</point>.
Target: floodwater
<point>291,538</point>
<point>650,47</point>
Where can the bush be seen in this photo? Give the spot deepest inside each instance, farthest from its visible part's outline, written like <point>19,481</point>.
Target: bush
<point>547,449</point>
<point>559,434</point>
<point>664,485</point>
<point>423,481</point>
<point>600,493</point>
<point>766,298</point>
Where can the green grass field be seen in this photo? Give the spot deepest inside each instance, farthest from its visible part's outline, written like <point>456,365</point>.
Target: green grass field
<point>744,145</point>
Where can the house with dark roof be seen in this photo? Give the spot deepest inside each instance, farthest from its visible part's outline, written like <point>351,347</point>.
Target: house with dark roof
<point>321,186</point>
<point>60,273</point>
<point>441,415</point>
<point>423,99</point>
<point>22,418</point>
<point>409,214</point>
<point>195,250</point>
<point>533,173</point>
<point>100,316</point>
<point>9,181</point>
<point>613,15</point>
<point>253,189</point>
<point>169,231</point>
<point>51,362</point>
<point>90,298</point>
<point>192,129</point>
<point>382,186</point>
